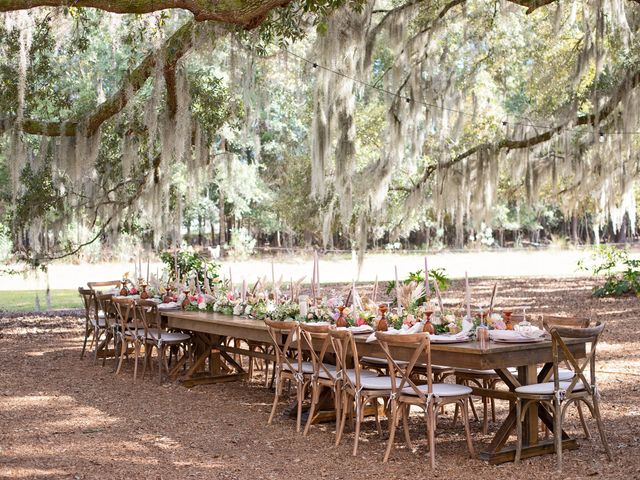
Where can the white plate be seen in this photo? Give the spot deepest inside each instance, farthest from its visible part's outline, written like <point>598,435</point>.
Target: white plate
<point>364,329</point>
<point>519,340</point>
<point>447,339</point>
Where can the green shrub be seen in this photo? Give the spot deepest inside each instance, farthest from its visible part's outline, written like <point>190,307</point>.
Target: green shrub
<point>190,261</point>
<point>621,274</point>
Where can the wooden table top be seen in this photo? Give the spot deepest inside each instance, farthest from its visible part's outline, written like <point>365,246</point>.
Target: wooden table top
<point>461,355</point>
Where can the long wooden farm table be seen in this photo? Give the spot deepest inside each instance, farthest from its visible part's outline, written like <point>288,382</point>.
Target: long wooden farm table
<point>212,330</point>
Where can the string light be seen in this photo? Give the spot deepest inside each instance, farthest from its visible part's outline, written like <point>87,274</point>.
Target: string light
<point>315,65</point>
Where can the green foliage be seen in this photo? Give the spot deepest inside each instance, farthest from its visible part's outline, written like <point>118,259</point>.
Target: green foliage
<point>190,262</point>
<point>620,272</point>
<point>40,198</point>
<point>242,243</point>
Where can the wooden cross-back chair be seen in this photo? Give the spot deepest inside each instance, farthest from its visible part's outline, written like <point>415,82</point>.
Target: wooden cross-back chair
<point>429,397</point>
<point>557,394</point>
<point>104,307</point>
<point>358,387</point>
<point>153,336</point>
<point>91,320</point>
<point>324,374</point>
<point>115,284</point>
<point>289,365</point>
<point>130,332</point>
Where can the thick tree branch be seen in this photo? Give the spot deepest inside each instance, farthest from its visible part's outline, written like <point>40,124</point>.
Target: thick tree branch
<point>245,13</point>
<point>631,81</point>
<point>173,50</point>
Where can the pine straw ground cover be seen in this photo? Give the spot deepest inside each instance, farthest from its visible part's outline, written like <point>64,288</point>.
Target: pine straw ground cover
<point>62,417</point>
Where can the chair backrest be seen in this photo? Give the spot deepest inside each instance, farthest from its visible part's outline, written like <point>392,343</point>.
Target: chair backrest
<point>89,301</point>
<point>562,321</point>
<point>286,354</point>
<point>146,312</point>
<point>420,344</point>
<point>344,346</point>
<point>311,332</point>
<point>560,348</point>
<point>126,315</point>
<point>107,283</point>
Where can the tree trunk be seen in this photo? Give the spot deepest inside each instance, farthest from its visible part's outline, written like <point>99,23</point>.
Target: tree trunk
<point>222,234</point>
<point>574,228</point>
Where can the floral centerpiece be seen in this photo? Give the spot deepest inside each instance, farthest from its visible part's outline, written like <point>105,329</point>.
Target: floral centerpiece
<point>361,317</point>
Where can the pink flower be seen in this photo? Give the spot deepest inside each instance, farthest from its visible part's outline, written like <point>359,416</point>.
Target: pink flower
<point>200,299</point>
<point>409,320</point>
<point>229,295</point>
<point>361,321</point>
<point>335,316</point>
<point>134,291</point>
<point>499,325</point>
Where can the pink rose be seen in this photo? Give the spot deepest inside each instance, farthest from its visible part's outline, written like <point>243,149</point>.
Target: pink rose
<point>133,291</point>
<point>361,321</point>
<point>229,295</point>
<point>409,320</point>
<point>200,299</point>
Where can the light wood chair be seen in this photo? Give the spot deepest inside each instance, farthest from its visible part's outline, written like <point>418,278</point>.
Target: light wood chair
<point>558,395</point>
<point>358,388</point>
<point>99,286</point>
<point>130,332</point>
<point>104,305</point>
<point>429,397</point>
<point>94,322</point>
<point>324,375</point>
<point>154,336</point>
<point>289,365</point>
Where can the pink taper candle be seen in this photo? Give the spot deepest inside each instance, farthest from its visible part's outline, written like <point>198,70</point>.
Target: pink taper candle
<point>467,295</point>
<point>426,279</point>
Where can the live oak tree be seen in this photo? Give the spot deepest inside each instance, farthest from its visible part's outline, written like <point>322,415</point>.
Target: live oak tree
<point>471,99</point>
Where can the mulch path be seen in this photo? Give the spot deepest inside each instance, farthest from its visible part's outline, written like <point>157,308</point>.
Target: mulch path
<point>63,417</point>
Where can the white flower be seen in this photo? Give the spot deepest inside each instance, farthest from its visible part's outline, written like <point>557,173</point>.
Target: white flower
<point>202,305</point>
<point>237,310</point>
<point>247,310</point>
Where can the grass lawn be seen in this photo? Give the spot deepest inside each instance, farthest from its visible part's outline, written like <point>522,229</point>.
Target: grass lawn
<point>25,300</point>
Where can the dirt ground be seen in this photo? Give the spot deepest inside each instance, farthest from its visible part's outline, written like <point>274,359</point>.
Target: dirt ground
<point>63,417</point>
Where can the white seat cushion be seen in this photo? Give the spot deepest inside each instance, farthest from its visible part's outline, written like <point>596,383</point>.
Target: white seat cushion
<point>330,368</point>
<point>307,367</point>
<point>102,323</point>
<point>564,373</point>
<point>374,361</point>
<point>441,390</point>
<point>167,337</point>
<point>380,361</point>
<point>370,382</point>
<point>351,373</point>
<point>546,388</point>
